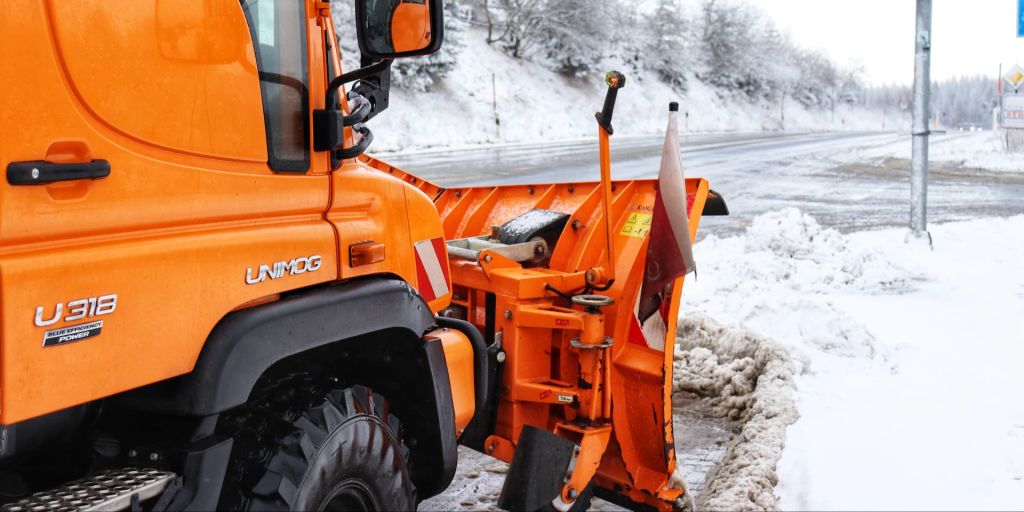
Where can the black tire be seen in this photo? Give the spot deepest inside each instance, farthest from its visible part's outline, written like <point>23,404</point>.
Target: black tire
<point>343,452</point>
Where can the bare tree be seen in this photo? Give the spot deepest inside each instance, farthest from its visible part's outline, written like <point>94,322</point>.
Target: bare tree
<point>726,37</point>
<point>577,35</point>
<point>843,89</point>
<point>518,21</point>
<point>665,46</point>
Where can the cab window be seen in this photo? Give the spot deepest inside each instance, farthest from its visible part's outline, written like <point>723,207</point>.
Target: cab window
<point>278,29</point>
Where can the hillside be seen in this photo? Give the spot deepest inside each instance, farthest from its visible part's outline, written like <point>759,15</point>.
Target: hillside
<point>535,103</point>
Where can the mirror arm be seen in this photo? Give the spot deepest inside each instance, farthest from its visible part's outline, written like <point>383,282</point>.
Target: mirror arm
<point>358,149</point>
<point>367,98</point>
<point>362,73</point>
<point>359,110</point>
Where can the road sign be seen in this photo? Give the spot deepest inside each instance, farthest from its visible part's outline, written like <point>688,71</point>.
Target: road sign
<point>1015,76</point>
<point>1020,18</point>
<point>1013,111</point>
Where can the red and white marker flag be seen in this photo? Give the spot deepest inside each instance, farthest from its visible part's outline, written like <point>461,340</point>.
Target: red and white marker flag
<point>669,251</point>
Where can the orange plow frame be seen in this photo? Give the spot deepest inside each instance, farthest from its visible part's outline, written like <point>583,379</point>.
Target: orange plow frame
<point>568,369</point>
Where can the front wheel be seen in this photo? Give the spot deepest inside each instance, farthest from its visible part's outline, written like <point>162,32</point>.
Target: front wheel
<point>343,453</point>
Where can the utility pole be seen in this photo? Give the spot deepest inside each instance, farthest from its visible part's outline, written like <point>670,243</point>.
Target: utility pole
<point>922,104</point>
<point>782,109</point>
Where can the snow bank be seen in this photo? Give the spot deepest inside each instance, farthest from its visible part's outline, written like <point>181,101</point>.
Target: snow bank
<point>905,361</point>
<point>745,376</point>
<point>772,280</point>
<point>979,150</point>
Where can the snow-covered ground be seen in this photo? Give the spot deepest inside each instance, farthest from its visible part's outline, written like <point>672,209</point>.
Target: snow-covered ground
<point>908,361</point>
<point>973,150</point>
<point>978,150</point>
<point>535,104</point>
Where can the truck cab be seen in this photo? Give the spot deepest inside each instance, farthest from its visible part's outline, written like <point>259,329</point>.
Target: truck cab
<point>167,188</point>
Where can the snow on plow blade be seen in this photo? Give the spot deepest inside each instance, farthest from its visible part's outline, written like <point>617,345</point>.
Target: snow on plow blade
<point>530,269</point>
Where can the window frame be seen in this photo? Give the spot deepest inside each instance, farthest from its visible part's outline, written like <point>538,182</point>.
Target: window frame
<point>274,161</point>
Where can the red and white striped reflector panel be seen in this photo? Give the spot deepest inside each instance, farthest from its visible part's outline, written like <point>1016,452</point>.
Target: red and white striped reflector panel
<point>432,268</point>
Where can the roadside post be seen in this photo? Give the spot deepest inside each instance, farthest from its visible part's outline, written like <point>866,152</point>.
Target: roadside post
<point>1012,109</point>
<point>922,108</point>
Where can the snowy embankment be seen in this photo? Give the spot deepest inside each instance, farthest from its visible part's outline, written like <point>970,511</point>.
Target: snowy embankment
<point>971,150</point>
<point>903,363</point>
<point>978,150</point>
<point>535,104</point>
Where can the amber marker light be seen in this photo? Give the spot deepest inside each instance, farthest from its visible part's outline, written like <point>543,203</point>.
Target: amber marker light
<point>365,253</point>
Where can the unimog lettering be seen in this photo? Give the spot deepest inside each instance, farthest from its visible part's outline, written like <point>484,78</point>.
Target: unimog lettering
<point>282,268</point>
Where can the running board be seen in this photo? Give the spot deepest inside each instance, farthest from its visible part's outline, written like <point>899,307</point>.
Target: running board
<point>112,490</point>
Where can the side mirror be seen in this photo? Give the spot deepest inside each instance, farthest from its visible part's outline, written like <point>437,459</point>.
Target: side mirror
<point>390,29</point>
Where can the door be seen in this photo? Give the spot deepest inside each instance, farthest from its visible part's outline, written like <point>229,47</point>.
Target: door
<point>212,199</point>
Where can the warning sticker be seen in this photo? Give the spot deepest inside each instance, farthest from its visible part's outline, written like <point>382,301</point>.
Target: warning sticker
<point>637,225</point>
<point>73,333</point>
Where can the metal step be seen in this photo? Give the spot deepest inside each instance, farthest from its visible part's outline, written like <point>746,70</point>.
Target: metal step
<point>111,490</point>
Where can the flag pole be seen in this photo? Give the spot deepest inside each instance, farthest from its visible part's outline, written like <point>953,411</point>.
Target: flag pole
<point>615,81</point>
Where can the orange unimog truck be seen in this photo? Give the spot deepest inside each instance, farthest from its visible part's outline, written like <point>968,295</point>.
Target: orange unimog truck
<point>213,299</point>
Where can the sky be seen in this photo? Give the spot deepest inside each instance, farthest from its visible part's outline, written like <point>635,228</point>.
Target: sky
<point>969,37</point>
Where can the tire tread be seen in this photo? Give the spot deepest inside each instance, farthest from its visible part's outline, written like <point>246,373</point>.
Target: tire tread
<point>278,434</point>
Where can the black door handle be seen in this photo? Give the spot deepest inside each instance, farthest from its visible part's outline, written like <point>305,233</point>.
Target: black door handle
<point>40,172</point>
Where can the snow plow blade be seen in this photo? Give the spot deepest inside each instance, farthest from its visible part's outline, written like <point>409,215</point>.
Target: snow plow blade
<point>566,352</point>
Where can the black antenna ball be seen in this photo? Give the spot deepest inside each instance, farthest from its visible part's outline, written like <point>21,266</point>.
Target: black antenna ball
<point>673,107</point>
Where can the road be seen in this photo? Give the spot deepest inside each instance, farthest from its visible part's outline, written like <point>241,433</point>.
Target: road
<point>823,174</point>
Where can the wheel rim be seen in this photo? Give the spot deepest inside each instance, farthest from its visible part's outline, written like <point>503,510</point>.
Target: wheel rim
<point>349,496</point>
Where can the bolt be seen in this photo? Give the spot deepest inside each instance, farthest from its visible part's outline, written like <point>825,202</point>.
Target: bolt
<point>458,193</point>
<point>35,173</point>
<point>132,453</point>
<point>490,448</point>
<point>530,191</point>
<point>539,249</point>
<point>576,224</point>
<point>572,493</point>
<point>488,258</point>
<point>501,356</point>
<point>508,314</point>
<point>154,456</point>
<point>570,189</point>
